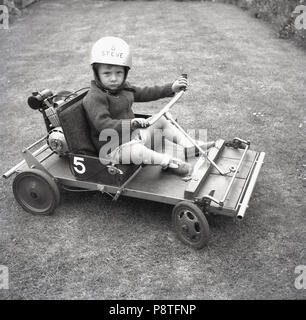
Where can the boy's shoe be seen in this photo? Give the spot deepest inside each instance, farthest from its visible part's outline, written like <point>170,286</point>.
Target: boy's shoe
<point>179,167</point>
<point>194,152</point>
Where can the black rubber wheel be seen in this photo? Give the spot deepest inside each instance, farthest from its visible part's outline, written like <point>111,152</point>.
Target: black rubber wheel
<point>36,192</point>
<point>190,224</point>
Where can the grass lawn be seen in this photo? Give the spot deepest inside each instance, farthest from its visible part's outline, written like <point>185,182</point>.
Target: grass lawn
<point>243,82</point>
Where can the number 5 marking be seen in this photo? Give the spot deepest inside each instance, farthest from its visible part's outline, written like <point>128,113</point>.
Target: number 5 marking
<point>78,165</point>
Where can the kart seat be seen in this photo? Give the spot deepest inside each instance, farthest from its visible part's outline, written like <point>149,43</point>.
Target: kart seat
<point>75,127</point>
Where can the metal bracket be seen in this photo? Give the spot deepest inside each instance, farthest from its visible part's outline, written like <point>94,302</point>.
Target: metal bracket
<point>113,170</point>
<point>118,194</point>
<point>101,188</point>
<point>32,162</point>
<point>238,143</point>
<point>209,198</point>
<point>121,189</point>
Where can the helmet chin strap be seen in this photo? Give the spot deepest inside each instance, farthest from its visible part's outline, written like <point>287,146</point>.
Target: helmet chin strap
<point>102,87</point>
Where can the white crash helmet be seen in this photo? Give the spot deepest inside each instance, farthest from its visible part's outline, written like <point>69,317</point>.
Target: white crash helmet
<point>111,50</point>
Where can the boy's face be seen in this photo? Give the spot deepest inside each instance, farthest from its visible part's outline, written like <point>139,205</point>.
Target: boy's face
<point>111,76</point>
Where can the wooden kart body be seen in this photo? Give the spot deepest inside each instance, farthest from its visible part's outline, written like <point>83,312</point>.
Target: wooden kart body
<point>226,194</point>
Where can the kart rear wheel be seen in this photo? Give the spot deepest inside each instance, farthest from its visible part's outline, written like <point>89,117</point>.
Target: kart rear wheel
<point>190,224</point>
<point>36,192</point>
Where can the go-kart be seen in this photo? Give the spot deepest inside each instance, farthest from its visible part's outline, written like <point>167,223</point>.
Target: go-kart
<point>221,183</point>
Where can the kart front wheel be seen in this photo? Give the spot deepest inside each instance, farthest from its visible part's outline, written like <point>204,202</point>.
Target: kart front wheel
<point>190,224</point>
<point>36,192</point>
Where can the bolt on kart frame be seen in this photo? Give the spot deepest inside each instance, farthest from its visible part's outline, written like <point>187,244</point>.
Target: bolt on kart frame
<point>222,181</point>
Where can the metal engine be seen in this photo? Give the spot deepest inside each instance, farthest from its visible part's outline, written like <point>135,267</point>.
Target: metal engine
<point>47,103</point>
<point>56,141</point>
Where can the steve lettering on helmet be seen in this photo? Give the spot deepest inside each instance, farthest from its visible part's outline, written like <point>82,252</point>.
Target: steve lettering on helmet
<point>112,54</point>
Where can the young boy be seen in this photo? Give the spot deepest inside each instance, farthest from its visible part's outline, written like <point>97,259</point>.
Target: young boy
<point>108,107</point>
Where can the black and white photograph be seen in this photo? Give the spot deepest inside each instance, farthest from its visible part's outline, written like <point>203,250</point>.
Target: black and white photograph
<point>153,151</point>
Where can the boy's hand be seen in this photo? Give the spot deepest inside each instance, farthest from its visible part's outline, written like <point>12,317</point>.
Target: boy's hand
<point>139,123</point>
<point>180,84</point>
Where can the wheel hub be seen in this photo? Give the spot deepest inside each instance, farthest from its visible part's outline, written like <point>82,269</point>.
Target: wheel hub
<point>34,195</point>
<point>189,225</point>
